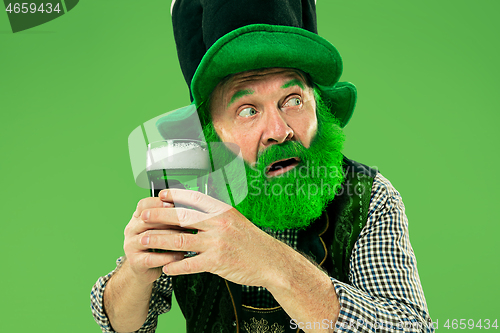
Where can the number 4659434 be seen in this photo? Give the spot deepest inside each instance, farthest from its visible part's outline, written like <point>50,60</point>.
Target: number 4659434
<point>470,324</point>
<point>25,8</point>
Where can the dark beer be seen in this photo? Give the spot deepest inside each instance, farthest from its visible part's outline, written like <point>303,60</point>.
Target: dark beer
<point>183,164</point>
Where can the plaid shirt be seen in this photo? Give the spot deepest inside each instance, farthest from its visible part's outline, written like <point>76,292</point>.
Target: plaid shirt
<point>384,293</point>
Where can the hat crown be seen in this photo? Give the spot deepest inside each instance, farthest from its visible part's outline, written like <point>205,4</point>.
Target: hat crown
<point>198,24</point>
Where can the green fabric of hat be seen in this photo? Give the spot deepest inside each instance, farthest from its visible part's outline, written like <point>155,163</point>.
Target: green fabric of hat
<point>259,46</point>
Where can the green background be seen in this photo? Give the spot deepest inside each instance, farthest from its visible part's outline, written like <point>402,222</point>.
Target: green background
<point>73,89</point>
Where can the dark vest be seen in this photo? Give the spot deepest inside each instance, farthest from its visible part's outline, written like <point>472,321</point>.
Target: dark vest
<point>212,304</point>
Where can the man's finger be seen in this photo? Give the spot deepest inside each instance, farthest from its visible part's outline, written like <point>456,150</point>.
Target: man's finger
<point>195,199</point>
<point>154,259</point>
<point>179,241</point>
<point>185,266</point>
<point>181,217</point>
<point>151,203</point>
<point>170,231</point>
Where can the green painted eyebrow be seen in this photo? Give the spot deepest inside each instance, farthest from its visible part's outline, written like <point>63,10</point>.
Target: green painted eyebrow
<point>294,82</point>
<point>239,94</point>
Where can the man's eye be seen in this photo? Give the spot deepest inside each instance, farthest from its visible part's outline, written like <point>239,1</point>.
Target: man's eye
<point>247,112</point>
<point>295,101</point>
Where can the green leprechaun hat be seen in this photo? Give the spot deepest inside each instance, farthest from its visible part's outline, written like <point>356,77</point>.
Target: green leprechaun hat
<point>218,38</point>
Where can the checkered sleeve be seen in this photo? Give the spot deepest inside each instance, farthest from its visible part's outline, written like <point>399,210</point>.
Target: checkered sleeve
<point>161,300</point>
<point>385,293</point>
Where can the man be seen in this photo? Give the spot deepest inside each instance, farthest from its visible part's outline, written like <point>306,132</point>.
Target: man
<point>320,243</point>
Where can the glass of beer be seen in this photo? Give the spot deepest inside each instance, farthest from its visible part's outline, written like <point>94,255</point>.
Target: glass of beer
<point>178,163</point>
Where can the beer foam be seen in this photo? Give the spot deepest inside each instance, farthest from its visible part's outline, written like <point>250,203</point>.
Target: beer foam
<point>179,155</point>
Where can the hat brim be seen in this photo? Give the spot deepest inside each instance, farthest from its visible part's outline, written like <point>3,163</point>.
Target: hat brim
<point>341,98</point>
<point>266,46</point>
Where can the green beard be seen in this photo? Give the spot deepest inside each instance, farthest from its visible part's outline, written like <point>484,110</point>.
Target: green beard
<point>296,198</point>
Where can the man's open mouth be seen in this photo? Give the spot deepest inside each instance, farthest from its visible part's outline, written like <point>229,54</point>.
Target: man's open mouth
<point>280,167</point>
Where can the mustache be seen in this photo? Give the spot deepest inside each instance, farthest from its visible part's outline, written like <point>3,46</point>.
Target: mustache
<point>276,152</point>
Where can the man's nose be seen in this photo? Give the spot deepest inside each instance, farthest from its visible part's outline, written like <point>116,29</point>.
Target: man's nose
<point>277,130</point>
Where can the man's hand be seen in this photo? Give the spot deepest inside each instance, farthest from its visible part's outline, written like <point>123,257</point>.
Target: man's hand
<point>227,243</point>
<point>146,265</point>
<point>128,292</point>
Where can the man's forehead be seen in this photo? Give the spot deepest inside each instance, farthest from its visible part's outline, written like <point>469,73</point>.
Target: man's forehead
<point>234,86</point>
<point>261,74</point>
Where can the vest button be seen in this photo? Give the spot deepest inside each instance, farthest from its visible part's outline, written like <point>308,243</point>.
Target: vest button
<point>234,323</point>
